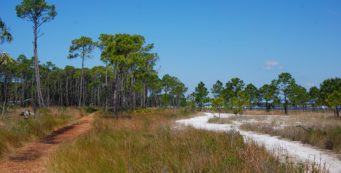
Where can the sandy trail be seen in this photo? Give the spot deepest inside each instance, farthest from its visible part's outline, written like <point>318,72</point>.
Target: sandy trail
<point>33,156</point>
<point>294,150</point>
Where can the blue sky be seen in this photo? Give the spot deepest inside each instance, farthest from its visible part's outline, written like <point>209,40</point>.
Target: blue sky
<point>199,40</point>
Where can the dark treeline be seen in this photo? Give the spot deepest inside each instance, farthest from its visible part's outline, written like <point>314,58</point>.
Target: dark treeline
<point>283,92</point>
<point>128,80</point>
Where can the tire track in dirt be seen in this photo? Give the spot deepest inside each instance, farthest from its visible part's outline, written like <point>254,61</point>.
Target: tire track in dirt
<point>31,158</point>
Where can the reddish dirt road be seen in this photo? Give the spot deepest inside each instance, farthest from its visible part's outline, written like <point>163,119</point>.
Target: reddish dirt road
<point>31,158</point>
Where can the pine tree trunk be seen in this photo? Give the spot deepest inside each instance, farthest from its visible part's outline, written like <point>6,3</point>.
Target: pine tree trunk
<point>61,93</point>
<point>23,90</point>
<point>98,96</point>
<point>67,91</point>
<point>115,99</point>
<point>48,90</point>
<point>106,86</point>
<point>16,90</point>
<point>144,96</point>
<point>178,101</point>
<point>36,67</point>
<point>285,105</point>
<point>84,90</point>
<point>81,84</point>
<point>5,96</point>
<point>132,91</point>
<point>337,115</point>
<point>32,86</point>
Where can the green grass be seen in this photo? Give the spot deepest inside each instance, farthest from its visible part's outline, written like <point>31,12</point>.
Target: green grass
<point>146,143</point>
<point>91,109</point>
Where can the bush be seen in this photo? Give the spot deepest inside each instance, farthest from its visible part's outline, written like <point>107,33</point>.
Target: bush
<point>91,109</point>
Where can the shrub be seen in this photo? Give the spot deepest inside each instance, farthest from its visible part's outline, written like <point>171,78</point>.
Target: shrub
<point>91,109</point>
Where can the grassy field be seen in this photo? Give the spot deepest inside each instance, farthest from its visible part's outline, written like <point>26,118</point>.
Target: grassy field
<point>319,129</point>
<point>146,141</point>
<point>15,131</point>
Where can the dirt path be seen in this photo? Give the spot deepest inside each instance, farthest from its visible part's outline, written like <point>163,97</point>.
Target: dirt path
<point>294,150</point>
<point>32,156</point>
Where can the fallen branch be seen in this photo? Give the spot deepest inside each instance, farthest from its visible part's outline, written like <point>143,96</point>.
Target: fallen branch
<point>306,129</point>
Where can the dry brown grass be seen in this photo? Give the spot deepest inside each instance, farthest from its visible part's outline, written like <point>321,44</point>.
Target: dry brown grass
<point>217,120</point>
<point>145,142</point>
<point>319,129</point>
<point>15,131</point>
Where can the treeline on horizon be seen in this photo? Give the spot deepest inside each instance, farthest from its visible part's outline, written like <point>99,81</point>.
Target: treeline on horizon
<point>128,80</point>
<point>282,92</point>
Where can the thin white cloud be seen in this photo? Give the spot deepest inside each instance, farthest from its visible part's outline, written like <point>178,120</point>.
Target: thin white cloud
<point>272,65</point>
<point>309,85</point>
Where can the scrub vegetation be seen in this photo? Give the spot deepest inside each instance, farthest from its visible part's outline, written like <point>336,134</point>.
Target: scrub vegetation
<point>317,129</point>
<point>146,142</point>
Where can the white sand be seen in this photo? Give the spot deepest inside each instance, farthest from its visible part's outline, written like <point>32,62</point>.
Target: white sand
<point>294,150</point>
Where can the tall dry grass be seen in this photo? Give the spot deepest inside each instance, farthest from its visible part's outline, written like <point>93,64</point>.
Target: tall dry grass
<point>324,137</point>
<point>15,131</point>
<point>320,129</point>
<point>217,120</point>
<point>146,142</point>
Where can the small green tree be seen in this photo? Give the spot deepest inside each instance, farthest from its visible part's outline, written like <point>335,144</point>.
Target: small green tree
<point>200,95</point>
<point>334,101</point>
<point>328,86</point>
<point>268,93</point>
<point>168,84</point>
<point>298,95</point>
<point>285,80</point>
<point>217,104</point>
<point>217,89</point>
<point>232,88</point>
<point>238,102</point>
<point>253,94</point>
<point>38,12</point>
<point>314,94</point>
<point>191,101</point>
<point>81,47</point>
<point>179,91</point>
